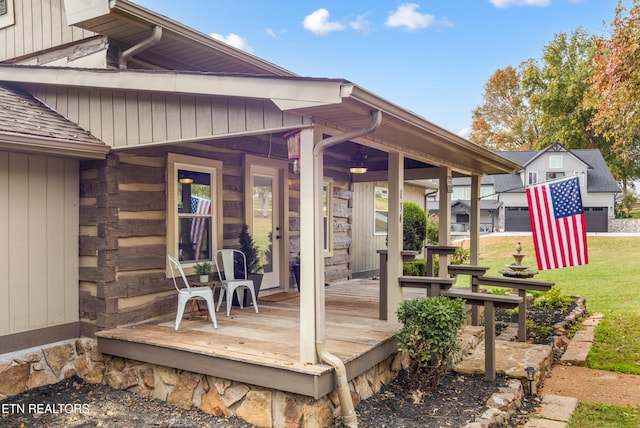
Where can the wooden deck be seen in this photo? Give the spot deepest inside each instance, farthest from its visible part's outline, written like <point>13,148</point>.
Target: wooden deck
<point>263,349</point>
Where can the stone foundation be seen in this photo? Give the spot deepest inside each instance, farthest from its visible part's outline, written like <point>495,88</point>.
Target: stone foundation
<point>259,406</point>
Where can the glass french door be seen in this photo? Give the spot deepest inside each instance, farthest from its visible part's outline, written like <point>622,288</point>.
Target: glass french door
<point>266,222</point>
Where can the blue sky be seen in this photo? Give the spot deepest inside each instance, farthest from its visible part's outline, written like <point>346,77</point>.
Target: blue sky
<point>431,57</point>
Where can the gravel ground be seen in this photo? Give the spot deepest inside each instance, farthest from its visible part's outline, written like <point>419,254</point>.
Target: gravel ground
<point>74,403</point>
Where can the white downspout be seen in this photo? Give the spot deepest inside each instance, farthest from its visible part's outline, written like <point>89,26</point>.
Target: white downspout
<point>346,402</point>
<point>155,37</point>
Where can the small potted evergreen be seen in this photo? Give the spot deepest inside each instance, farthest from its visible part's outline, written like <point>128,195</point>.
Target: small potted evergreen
<point>254,268</point>
<point>203,269</point>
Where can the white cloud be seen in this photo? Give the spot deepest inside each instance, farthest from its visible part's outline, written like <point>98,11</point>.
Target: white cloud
<point>508,3</point>
<point>407,16</point>
<point>233,40</point>
<point>465,132</point>
<point>361,23</point>
<point>275,34</point>
<point>318,23</point>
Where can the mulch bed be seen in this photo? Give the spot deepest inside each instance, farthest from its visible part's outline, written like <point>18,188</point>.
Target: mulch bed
<point>457,401</point>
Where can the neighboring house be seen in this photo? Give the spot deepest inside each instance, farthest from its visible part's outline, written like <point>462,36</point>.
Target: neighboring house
<point>504,195</point>
<point>126,137</point>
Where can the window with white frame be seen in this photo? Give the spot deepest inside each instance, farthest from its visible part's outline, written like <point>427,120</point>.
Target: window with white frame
<point>553,175</point>
<point>555,161</point>
<point>192,206</point>
<point>6,13</point>
<point>532,177</point>
<point>327,216</point>
<point>581,177</point>
<point>380,210</point>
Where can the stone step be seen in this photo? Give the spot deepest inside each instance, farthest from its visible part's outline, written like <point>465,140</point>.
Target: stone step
<point>511,360</point>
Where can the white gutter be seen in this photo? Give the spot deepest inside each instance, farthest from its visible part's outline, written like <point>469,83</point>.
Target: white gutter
<point>344,395</point>
<point>153,39</point>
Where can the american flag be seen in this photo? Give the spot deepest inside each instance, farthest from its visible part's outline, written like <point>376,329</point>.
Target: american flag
<point>199,230</point>
<point>558,223</point>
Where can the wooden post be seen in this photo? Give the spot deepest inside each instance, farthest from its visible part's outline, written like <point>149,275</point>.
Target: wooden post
<point>394,233</point>
<point>383,285</point>
<point>489,345</point>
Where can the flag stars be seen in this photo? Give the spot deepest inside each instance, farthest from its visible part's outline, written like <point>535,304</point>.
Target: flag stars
<point>565,197</point>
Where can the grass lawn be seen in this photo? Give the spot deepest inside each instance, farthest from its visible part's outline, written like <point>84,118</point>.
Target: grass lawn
<point>610,285</point>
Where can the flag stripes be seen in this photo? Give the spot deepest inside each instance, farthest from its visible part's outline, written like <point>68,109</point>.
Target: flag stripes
<point>558,224</point>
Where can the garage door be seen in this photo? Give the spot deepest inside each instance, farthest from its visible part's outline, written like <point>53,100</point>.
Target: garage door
<point>516,219</point>
<point>597,219</point>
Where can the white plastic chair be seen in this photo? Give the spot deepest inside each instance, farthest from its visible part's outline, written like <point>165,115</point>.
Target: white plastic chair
<point>230,283</point>
<point>184,294</point>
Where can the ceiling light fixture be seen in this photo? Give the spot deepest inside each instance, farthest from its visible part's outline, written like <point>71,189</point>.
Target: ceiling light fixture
<point>358,162</point>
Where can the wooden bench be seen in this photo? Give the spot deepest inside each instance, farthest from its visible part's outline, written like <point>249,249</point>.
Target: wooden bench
<point>490,303</point>
<point>433,284</point>
<point>520,284</point>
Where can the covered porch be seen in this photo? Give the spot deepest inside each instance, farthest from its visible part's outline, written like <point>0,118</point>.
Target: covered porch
<point>260,349</point>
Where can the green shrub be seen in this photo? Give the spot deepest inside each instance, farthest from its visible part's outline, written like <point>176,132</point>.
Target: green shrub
<point>417,267</point>
<point>429,336</point>
<point>461,256</point>
<point>501,291</point>
<point>552,299</point>
<point>414,227</point>
<point>433,229</point>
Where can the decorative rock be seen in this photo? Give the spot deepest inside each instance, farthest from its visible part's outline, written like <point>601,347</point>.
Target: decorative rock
<point>211,403</point>
<point>129,378</point>
<point>14,380</point>
<point>256,408</point>
<point>221,384</point>
<point>41,378</point>
<point>287,412</point>
<point>113,378</point>
<point>234,394</point>
<point>161,391</point>
<point>318,415</point>
<point>168,375</point>
<point>362,387</point>
<point>58,356</point>
<point>182,394</point>
<point>95,373</point>
<point>33,357</point>
<point>146,374</point>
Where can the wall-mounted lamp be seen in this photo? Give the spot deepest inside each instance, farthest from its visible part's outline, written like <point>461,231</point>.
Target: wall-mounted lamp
<point>531,371</point>
<point>358,162</point>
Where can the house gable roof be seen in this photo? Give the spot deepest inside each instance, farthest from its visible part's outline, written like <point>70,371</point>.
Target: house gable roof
<point>599,177</point>
<point>28,125</point>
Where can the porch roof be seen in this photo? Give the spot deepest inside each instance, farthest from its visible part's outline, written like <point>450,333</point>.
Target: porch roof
<point>336,103</point>
<point>27,125</point>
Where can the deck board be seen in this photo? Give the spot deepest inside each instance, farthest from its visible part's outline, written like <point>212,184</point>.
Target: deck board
<point>270,339</point>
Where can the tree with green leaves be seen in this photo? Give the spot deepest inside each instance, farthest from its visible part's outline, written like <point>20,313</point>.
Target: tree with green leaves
<point>557,87</point>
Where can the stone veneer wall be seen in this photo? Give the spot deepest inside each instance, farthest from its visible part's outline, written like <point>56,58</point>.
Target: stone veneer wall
<point>624,225</point>
<point>259,406</point>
